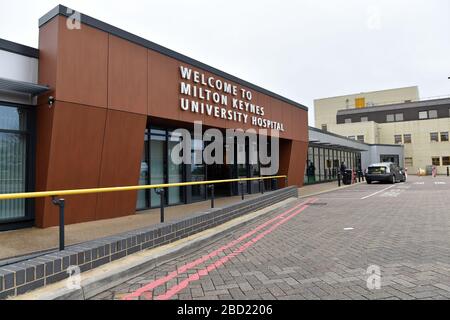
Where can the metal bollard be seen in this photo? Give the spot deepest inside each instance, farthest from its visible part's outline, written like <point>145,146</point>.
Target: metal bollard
<point>448,171</point>
<point>242,190</point>
<point>161,193</point>
<point>339,179</point>
<point>261,186</point>
<point>286,182</point>
<point>211,187</point>
<point>359,176</point>
<point>60,203</point>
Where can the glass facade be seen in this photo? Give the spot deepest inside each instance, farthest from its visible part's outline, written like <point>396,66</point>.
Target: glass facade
<point>15,144</point>
<point>323,163</point>
<point>157,167</point>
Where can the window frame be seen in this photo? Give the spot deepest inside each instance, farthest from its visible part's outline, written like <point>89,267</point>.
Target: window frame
<point>446,136</point>
<point>431,136</point>
<point>423,113</point>
<point>446,162</point>
<point>439,161</point>
<point>395,139</point>
<point>407,135</point>
<point>30,166</point>
<point>434,116</point>
<point>389,119</point>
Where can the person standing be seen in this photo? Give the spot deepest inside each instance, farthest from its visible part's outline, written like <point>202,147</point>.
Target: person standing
<point>433,171</point>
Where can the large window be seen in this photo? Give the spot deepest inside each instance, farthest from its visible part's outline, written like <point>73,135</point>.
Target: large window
<point>432,114</point>
<point>444,136</point>
<point>434,137</point>
<point>15,143</point>
<point>407,138</point>
<point>446,161</point>
<point>436,161</point>
<point>390,118</point>
<point>398,139</point>
<point>423,115</point>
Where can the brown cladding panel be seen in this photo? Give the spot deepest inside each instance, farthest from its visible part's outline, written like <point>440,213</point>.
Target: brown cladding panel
<point>292,161</point>
<point>127,76</point>
<point>82,65</point>
<point>75,158</point>
<point>48,54</point>
<point>121,160</point>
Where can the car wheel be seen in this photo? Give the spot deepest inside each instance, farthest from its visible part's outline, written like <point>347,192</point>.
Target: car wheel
<point>393,179</point>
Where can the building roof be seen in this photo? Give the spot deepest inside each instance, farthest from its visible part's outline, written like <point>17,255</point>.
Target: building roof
<point>367,92</point>
<point>67,12</point>
<point>18,48</point>
<point>9,85</point>
<point>396,106</point>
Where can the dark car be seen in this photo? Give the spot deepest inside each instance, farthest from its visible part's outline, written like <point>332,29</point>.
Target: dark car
<point>385,172</point>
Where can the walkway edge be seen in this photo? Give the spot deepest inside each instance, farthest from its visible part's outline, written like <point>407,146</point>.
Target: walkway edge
<point>329,190</point>
<point>119,271</point>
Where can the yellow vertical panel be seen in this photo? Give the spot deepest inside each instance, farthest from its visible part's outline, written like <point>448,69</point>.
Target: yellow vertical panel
<point>360,103</point>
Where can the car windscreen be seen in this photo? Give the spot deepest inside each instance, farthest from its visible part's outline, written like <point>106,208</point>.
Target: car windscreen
<point>377,170</point>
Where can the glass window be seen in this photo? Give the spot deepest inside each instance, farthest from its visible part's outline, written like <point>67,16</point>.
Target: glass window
<point>13,160</point>
<point>446,161</point>
<point>423,115</point>
<point>197,170</point>
<point>317,164</point>
<point>432,114</point>
<point>407,138</point>
<point>364,119</point>
<point>13,148</point>
<point>360,138</point>
<point>434,137</point>
<point>175,171</point>
<point>13,118</point>
<point>398,139</point>
<point>348,120</point>
<point>390,118</point>
<point>324,127</point>
<point>157,151</point>
<point>144,177</point>
<point>399,117</point>
<point>409,162</point>
<point>444,136</point>
<point>436,161</point>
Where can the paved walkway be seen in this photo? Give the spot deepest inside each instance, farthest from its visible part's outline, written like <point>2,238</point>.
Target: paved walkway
<point>26,241</point>
<point>376,241</point>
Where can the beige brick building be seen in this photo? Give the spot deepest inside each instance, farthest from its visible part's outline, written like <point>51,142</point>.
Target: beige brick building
<point>421,126</point>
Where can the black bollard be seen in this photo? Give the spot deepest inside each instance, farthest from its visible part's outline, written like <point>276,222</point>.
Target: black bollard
<point>60,203</point>
<point>161,193</point>
<point>211,187</point>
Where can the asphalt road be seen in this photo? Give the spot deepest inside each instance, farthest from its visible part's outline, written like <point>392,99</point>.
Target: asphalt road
<point>376,241</point>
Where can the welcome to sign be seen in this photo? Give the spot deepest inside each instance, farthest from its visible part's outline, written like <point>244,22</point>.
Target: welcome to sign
<point>211,96</point>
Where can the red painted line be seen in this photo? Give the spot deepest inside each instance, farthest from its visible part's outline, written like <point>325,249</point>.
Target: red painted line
<point>183,284</point>
<point>152,285</point>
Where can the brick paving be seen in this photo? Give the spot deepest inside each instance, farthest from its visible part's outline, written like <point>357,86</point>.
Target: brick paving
<point>403,230</point>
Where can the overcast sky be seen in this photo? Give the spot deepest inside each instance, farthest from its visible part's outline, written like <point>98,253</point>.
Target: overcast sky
<point>303,50</point>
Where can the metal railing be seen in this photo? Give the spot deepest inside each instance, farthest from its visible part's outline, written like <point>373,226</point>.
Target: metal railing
<point>61,203</point>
